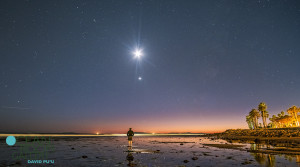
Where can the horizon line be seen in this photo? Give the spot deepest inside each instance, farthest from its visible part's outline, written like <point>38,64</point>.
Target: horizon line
<point>95,135</point>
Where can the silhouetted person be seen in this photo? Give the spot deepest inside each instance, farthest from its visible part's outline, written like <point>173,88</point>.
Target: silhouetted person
<point>130,134</point>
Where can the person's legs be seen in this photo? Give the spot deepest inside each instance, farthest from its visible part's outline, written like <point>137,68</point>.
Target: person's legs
<point>129,145</point>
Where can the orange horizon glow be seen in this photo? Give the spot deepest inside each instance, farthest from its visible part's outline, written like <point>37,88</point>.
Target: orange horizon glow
<point>191,123</point>
<point>163,132</point>
<point>166,122</point>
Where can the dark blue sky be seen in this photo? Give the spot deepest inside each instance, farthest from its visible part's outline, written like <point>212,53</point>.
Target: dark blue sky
<point>68,65</point>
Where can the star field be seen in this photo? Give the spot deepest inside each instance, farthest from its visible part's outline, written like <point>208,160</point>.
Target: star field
<point>68,65</point>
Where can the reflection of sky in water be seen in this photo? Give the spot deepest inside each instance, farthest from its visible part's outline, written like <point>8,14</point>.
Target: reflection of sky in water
<point>113,151</point>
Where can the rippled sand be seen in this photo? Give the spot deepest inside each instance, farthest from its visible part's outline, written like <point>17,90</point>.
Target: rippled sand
<point>146,151</point>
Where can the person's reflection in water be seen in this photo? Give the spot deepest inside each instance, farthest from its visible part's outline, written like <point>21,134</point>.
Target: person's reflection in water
<point>130,158</point>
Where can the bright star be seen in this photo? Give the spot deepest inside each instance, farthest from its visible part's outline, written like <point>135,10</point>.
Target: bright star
<point>140,78</point>
<point>138,53</point>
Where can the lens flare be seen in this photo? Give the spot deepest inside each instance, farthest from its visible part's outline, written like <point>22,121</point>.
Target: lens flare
<point>138,53</point>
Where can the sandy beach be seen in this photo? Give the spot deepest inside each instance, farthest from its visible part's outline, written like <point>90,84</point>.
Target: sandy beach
<point>146,151</point>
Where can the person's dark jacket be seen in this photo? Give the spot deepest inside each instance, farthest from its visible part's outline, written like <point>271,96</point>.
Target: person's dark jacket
<point>130,133</point>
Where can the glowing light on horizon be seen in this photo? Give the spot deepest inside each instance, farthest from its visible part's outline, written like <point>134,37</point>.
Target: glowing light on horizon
<point>97,133</point>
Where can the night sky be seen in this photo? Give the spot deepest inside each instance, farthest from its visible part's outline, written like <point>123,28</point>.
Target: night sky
<point>68,66</point>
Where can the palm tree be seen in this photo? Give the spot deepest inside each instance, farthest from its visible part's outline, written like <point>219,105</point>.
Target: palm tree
<point>293,111</point>
<point>266,116</point>
<point>274,122</point>
<point>254,114</point>
<point>281,119</point>
<point>262,107</point>
<point>249,121</point>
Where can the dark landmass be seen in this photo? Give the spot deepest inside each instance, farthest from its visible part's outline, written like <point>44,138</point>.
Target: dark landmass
<point>260,133</point>
<point>281,140</point>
